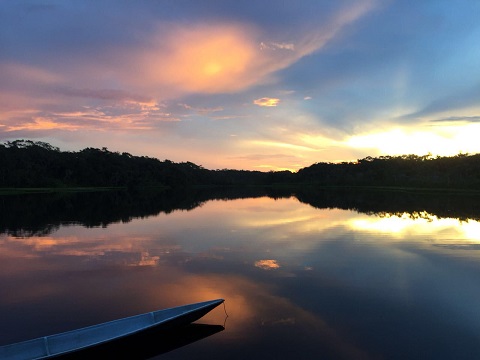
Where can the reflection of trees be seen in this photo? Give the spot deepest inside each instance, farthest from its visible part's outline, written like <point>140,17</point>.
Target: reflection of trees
<point>462,206</point>
<point>416,215</point>
<point>40,214</point>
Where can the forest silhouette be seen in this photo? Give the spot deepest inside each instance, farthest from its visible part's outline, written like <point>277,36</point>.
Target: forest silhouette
<point>35,164</point>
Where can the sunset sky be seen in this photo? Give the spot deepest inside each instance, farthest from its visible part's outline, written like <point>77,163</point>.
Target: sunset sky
<point>257,85</point>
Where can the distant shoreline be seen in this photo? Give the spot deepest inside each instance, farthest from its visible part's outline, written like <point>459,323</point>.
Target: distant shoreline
<point>37,166</point>
<point>304,186</point>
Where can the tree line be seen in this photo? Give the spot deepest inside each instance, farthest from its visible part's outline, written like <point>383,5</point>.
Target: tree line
<point>25,163</point>
<point>32,164</point>
<point>460,171</point>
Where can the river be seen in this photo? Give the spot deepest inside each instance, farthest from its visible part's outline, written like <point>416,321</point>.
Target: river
<point>300,280</point>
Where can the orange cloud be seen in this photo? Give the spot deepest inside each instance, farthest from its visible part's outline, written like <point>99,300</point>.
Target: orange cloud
<point>266,102</point>
<point>43,123</point>
<point>221,58</point>
<point>267,264</point>
<point>200,58</point>
<point>209,59</point>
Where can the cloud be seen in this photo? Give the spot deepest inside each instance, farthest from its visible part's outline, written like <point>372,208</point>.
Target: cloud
<point>209,57</point>
<point>465,100</point>
<point>167,62</point>
<point>267,264</point>
<point>108,94</point>
<point>202,111</point>
<point>197,58</point>
<point>266,102</point>
<point>314,39</point>
<point>275,46</point>
<point>119,117</point>
<point>266,156</point>
<point>78,85</point>
<point>468,119</point>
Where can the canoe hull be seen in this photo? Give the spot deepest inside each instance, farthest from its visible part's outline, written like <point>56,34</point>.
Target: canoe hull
<point>76,340</point>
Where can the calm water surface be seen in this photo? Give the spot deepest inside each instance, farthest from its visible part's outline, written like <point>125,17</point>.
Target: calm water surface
<point>299,282</point>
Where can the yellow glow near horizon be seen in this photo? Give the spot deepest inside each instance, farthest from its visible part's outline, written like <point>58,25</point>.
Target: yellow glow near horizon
<point>443,140</point>
<point>271,167</point>
<point>279,144</point>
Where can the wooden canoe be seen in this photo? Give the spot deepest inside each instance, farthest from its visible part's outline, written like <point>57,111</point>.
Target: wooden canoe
<point>113,331</point>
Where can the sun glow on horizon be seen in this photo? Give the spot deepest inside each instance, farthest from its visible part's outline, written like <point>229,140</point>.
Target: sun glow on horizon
<point>447,140</point>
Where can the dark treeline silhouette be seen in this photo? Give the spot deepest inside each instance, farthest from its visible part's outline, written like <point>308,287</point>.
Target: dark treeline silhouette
<point>28,164</point>
<point>25,215</point>
<point>25,163</point>
<point>460,171</point>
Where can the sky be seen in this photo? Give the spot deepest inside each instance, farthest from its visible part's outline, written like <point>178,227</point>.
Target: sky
<point>254,85</point>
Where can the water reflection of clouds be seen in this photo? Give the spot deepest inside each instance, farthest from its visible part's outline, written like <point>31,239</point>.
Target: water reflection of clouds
<point>43,243</point>
<point>402,226</point>
<point>124,250</point>
<point>261,228</point>
<point>323,261</point>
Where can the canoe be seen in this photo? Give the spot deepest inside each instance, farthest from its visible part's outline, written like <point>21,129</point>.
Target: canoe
<point>92,336</point>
